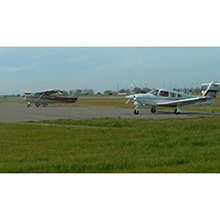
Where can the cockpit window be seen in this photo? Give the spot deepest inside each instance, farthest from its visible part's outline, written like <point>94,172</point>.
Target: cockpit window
<point>164,93</point>
<point>155,92</point>
<point>180,96</point>
<point>172,94</point>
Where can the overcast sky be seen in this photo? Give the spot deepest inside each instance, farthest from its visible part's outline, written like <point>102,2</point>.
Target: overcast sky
<point>34,69</point>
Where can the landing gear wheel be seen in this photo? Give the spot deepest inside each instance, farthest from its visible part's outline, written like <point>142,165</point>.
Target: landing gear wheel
<point>177,111</point>
<point>136,112</point>
<point>153,110</point>
<point>44,105</point>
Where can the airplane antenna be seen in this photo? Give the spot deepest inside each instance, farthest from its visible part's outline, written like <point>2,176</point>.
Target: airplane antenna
<point>131,91</point>
<point>164,84</point>
<point>117,87</point>
<point>171,86</point>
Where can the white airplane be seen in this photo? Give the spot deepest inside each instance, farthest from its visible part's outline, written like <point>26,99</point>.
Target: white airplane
<point>168,98</point>
<point>48,96</point>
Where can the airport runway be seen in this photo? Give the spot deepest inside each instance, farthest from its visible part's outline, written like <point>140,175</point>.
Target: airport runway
<point>16,112</point>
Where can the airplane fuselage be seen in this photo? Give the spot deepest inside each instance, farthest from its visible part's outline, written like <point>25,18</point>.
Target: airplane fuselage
<point>48,96</point>
<point>169,98</point>
<point>154,99</point>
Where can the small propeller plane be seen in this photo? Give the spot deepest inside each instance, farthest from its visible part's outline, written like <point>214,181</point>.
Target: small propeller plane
<point>48,96</point>
<point>168,98</point>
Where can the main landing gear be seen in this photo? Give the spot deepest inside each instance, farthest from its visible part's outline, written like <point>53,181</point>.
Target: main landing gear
<point>37,104</point>
<point>177,111</point>
<point>44,105</point>
<point>153,110</point>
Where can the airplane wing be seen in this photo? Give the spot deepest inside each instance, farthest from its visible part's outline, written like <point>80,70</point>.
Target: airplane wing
<point>49,92</point>
<point>183,102</point>
<point>46,92</point>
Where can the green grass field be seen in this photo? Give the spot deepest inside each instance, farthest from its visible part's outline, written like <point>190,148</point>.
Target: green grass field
<point>112,146</point>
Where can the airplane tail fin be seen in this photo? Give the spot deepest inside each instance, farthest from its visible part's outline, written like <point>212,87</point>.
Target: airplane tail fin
<point>76,94</point>
<point>211,90</point>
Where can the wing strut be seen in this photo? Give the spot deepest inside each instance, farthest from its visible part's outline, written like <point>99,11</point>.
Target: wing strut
<point>40,98</point>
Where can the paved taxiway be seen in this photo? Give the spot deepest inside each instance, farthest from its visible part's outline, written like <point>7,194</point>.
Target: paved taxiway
<point>14,112</point>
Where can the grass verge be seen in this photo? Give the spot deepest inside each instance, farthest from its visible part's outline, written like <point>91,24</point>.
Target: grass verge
<point>112,146</point>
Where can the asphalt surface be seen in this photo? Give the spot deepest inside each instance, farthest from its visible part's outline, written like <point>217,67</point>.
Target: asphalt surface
<point>16,112</point>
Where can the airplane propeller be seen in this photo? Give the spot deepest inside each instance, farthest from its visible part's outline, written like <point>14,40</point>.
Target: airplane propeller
<point>128,101</point>
<point>130,97</point>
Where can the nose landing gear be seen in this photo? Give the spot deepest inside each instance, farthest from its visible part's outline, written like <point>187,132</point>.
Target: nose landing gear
<point>28,105</point>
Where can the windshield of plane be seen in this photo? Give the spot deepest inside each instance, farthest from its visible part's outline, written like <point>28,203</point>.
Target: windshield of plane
<point>164,93</point>
<point>155,92</point>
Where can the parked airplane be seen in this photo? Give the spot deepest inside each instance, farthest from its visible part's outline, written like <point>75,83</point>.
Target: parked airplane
<point>48,96</point>
<point>167,98</point>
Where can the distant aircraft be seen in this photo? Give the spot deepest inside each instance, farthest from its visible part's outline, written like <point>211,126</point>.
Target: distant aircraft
<point>167,98</point>
<point>48,96</point>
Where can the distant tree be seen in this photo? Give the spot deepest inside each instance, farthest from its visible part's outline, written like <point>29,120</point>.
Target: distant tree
<point>107,92</point>
<point>197,91</point>
<point>99,93</point>
<point>146,90</point>
<point>91,92</point>
<point>87,92</point>
<point>122,91</point>
<point>137,90</point>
